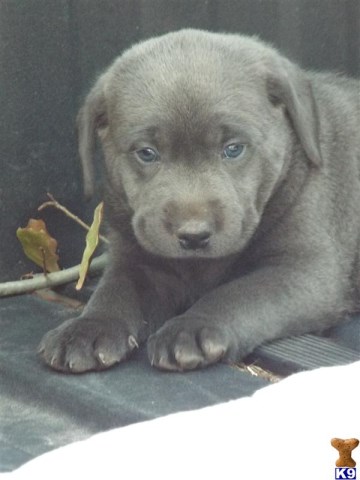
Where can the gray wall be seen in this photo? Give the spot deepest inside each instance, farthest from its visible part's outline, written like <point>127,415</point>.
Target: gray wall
<point>52,50</point>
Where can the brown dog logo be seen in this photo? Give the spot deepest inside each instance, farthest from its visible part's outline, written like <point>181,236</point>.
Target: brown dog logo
<point>345,447</point>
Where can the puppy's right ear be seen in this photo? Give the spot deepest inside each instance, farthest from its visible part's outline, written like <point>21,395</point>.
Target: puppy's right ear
<point>92,115</point>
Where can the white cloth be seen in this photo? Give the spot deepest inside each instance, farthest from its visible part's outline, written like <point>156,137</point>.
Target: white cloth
<point>282,432</point>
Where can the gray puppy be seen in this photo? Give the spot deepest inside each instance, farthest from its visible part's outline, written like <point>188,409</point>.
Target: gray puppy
<point>232,198</point>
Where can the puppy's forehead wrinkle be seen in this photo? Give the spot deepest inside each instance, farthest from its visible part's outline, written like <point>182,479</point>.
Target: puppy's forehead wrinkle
<point>191,124</point>
<point>188,114</point>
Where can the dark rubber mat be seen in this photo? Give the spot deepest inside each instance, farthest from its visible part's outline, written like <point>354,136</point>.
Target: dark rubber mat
<point>41,409</point>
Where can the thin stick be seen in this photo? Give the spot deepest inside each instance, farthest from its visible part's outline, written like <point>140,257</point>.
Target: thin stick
<point>50,280</point>
<point>54,203</point>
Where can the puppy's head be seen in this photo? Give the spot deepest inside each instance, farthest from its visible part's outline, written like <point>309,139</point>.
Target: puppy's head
<point>198,130</point>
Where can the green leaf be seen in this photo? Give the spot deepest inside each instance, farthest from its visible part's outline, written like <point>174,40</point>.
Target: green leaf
<point>92,240</point>
<point>38,245</point>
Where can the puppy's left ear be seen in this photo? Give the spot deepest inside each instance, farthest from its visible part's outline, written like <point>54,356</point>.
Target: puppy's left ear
<point>91,117</point>
<point>289,86</point>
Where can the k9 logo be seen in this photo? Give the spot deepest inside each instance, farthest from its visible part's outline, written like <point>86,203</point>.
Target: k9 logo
<point>344,472</point>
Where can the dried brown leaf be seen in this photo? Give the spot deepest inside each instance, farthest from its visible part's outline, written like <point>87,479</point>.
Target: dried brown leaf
<point>38,245</point>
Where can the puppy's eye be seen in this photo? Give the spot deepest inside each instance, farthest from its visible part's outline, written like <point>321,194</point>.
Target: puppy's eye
<point>147,155</point>
<point>234,150</point>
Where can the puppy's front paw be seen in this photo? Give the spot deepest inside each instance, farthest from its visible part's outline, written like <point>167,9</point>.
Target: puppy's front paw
<point>82,344</point>
<point>186,344</point>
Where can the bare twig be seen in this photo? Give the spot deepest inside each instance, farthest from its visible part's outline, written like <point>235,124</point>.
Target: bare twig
<point>50,280</point>
<point>55,204</point>
<point>258,371</point>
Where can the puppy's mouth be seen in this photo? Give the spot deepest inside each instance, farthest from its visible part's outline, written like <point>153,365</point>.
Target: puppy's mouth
<point>181,248</point>
<point>191,239</point>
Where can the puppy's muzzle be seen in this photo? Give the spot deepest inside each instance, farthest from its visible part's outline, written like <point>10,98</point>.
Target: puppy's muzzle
<point>193,226</point>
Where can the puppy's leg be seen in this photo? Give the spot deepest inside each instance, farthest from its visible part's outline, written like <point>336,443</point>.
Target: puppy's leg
<point>228,323</point>
<point>106,332</point>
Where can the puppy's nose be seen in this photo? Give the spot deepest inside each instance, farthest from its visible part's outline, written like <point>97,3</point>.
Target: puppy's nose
<point>194,241</point>
<point>194,235</point>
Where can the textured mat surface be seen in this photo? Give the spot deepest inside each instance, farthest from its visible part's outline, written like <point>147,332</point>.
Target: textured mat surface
<point>41,409</point>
